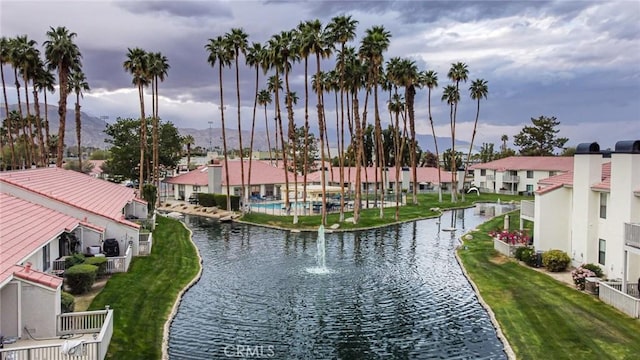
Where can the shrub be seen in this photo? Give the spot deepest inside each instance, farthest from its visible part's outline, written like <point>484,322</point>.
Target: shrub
<point>75,259</point>
<point>555,260</point>
<point>207,200</point>
<point>527,255</point>
<point>516,237</point>
<point>579,275</point>
<point>593,267</point>
<point>80,278</point>
<point>67,302</point>
<point>221,201</point>
<point>100,262</point>
<point>522,251</point>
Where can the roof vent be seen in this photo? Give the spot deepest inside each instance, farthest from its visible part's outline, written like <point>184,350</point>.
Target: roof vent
<point>628,147</point>
<point>588,148</point>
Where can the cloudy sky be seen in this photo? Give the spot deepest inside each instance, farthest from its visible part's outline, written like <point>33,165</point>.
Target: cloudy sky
<point>576,60</point>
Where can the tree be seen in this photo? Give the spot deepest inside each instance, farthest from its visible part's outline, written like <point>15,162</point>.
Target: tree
<point>124,137</point>
<point>158,69</point>
<point>448,157</point>
<point>77,84</point>
<point>430,80</point>
<point>74,165</point>
<point>138,65</point>
<point>221,54</point>
<point>486,153</point>
<point>264,99</point>
<point>541,138</point>
<point>304,166</point>
<point>188,140</point>
<point>255,58</point>
<point>26,58</point>
<point>458,72</point>
<point>478,90</point>
<point>451,96</point>
<point>504,138</point>
<point>429,159</point>
<point>236,41</point>
<point>63,55</point>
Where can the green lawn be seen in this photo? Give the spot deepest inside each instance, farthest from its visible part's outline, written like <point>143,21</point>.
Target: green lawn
<point>371,217</point>
<point>541,317</point>
<point>142,298</point>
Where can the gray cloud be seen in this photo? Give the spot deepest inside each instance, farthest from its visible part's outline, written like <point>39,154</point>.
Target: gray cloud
<point>186,9</point>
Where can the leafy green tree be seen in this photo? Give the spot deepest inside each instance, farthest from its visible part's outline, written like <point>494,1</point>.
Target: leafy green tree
<point>540,139</point>
<point>75,166</point>
<point>124,137</point>
<point>429,159</point>
<point>487,153</point>
<point>302,139</point>
<point>448,163</point>
<point>100,154</point>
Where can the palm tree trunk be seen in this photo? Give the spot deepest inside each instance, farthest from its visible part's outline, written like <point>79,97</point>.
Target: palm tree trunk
<point>9,126</point>
<point>266,125</point>
<point>359,144</point>
<point>284,152</point>
<point>243,192</point>
<point>143,137</point>
<point>341,142</point>
<point>435,142</point>
<point>224,139</point>
<point>379,145</point>
<point>156,150</point>
<point>36,100</point>
<point>30,143</point>
<point>411,93</point>
<point>78,131</point>
<point>22,125</point>
<point>46,128</point>
<point>253,127</point>
<point>473,136</point>
<point>321,128</point>
<point>63,73</point>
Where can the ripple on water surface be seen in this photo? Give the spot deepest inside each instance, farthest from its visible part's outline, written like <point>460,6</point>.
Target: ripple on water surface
<point>396,292</point>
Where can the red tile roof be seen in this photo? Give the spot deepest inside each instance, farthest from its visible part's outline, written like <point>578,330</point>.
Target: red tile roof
<point>605,184</point>
<point>38,277</point>
<point>261,173</point>
<point>544,163</point>
<point>79,190</point>
<point>26,227</point>
<point>566,179</point>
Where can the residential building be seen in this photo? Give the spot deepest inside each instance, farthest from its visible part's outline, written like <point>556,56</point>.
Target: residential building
<point>593,212</point>
<point>518,174</point>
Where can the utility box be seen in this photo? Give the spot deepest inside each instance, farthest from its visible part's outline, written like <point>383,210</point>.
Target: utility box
<point>591,285</point>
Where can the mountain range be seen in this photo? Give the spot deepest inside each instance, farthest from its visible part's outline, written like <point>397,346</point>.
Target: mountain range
<point>93,132</point>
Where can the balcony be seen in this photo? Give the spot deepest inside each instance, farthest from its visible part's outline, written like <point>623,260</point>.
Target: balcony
<point>632,234</point>
<point>491,177</point>
<point>510,179</point>
<point>91,332</point>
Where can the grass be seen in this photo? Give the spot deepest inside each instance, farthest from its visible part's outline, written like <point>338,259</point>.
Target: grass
<point>143,297</point>
<point>371,217</point>
<point>541,317</point>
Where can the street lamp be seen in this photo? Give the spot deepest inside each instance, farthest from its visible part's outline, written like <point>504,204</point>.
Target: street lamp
<point>210,135</point>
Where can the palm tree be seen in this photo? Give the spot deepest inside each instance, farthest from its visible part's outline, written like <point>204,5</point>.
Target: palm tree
<point>409,77</point>
<point>397,106</point>
<point>39,82</point>
<point>5,58</point>
<point>375,42</point>
<point>430,80</point>
<point>342,29</point>
<point>221,54</point>
<point>15,56</point>
<point>188,140</point>
<point>452,97</point>
<point>458,72</point>
<point>46,81</point>
<point>354,83</point>
<point>27,57</point>
<point>478,90</point>
<point>255,58</point>
<point>137,64</point>
<point>304,44</point>
<point>504,138</point>
<point>77,84</point>
<point>274,85</point>
<point>236,40</point>
<point>264,98</point>
<point>63,55</point>
<point>158,70</point>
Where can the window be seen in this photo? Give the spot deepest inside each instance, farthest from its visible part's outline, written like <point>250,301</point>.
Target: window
<point>602,250</point>
<point>603,205</point>
<point>46,257</point>
<point>529,174</point>
<point>483,172</point>
<point>196,188</point>
<point>552,173</point>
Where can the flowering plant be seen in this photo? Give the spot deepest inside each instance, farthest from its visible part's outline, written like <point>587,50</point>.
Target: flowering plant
<point>579,275</point>
<point>517,237</point>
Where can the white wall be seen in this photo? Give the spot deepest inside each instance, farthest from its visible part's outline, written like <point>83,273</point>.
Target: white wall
<point>552,225</point>
<point>9,322</point>
<point>40,306</point>
<point>587,170</point>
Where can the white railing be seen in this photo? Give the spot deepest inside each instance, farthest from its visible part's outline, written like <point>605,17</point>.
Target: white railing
<point>58,266</point>
<point>632,234</point>
<point>527,209</point>
<point>88,322</point>
<point>610,294</point>
<point>145,244</point>
<point>118,264</point>
<point>510,178</point>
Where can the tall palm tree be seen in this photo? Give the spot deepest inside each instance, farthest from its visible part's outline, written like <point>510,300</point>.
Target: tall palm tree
<point>409,77</point>
<point>158,70</point>
<point>5,53</point>
<point>255,58</point>
<point>342,29</point>
<point>63,55</point>
<point>137,64</point>
<point>304,43</point>
<point>396,106</point>
<point>77,84</point>
<point>504,138</point>
<point>236,40</point>
<point>27,58</point>
<point>430,80</point>
<point>458,72</point>
<point>15,58</point>
<point>274,85</point>
<point>264,98</point>
<point>374,43</point>
<point>40,79</point>
<point>220,53</point>
<point>188,140</point>
<point>452,96</point>
<point>478,90</point>
<point>47,83</point>
<point>356,73</point>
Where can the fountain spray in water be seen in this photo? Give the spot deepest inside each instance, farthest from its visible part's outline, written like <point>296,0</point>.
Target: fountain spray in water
<point>320,256</point>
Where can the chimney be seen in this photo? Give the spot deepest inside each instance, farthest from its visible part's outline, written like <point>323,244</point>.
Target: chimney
<point>214,178</point>
<point>27,267</point>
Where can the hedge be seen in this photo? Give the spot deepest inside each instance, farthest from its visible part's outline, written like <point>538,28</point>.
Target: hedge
<point>206,200</point>
<point>555,260</point>
<point>100,262</point>
<point>221,201</point>
<point>67,302</point>
<point>80,278</point>
<point>75,259</point>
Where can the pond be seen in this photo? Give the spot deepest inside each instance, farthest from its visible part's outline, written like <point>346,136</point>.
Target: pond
<point>395,292</point>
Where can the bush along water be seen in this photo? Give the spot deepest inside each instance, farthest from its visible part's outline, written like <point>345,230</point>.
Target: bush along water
<point>555,260</point>
<point>579,275</point>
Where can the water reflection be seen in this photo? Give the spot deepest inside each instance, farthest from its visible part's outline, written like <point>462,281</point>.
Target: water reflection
<point>394,292</point>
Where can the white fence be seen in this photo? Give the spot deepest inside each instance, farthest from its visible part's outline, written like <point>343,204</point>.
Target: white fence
<point>99,323</point>
<point>118,264</point>
<point>632,234</point>
<point>145,244</point>
<point>611,294</point>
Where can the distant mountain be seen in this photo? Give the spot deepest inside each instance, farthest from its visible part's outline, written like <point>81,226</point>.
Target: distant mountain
<point>93,133</point>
